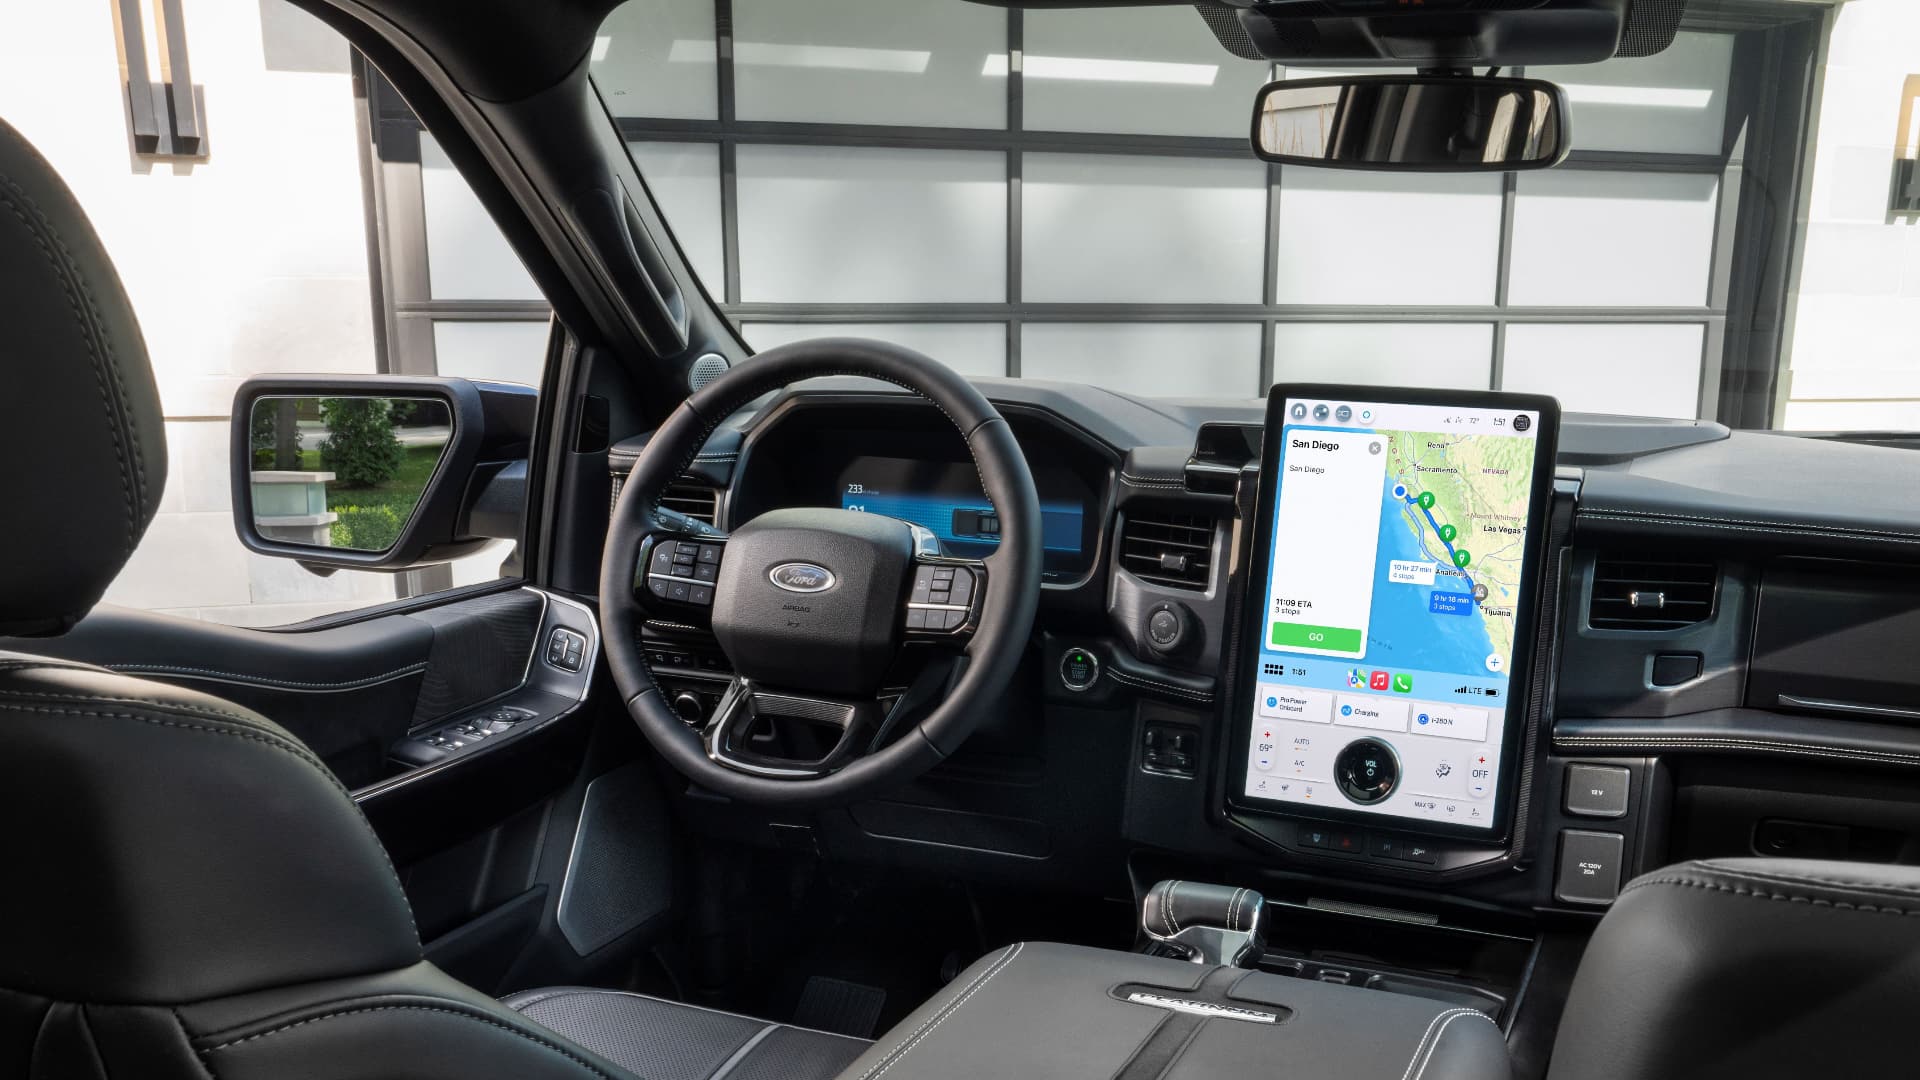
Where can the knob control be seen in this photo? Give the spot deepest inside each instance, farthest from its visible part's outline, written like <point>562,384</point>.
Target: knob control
<point>688,706</point>
<point>1168,626</point>
<point>1366,770</point>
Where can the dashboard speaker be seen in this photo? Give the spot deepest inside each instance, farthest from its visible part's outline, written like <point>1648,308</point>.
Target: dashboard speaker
<point>705,370</point>
<point>618,874</point>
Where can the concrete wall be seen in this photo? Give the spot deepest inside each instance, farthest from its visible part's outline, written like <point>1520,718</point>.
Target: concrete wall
<point>1855,360</point>
<point>252,261</point>
<point>257,259</point>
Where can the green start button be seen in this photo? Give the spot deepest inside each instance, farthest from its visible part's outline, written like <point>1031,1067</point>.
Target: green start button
<point>1078,669</point>
<point>1304,636</point>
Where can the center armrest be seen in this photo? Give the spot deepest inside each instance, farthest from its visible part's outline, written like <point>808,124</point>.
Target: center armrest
<point>1040,1011</point>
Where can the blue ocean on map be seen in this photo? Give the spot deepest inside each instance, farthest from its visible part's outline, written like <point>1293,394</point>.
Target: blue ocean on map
<point>1408,630</point>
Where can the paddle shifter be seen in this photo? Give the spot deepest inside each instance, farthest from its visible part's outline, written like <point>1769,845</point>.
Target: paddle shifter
<point>1209,924</point>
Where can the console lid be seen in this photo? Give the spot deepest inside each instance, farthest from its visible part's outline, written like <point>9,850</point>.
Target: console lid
<point>1060,1012</point>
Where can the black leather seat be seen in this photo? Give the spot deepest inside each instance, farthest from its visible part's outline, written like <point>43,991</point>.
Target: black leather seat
<point>665,1040</point>
<point>190,893</point>
<point>1748,969</point>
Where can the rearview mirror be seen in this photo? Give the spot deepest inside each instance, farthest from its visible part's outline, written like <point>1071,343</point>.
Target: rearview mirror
<point>378,472</point>
<point>1412,123</point>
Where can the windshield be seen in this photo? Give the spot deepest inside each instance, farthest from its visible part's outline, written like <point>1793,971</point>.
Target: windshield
<point>1069,194</point>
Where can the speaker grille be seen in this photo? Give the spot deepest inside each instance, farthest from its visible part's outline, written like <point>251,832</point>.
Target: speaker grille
<point>705,370</point>
<point>1651,25</point>
<point>1224,21</point>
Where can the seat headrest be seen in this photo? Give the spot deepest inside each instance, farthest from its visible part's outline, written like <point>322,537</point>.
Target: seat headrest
<point>81,435</point>
<point>166,847</point>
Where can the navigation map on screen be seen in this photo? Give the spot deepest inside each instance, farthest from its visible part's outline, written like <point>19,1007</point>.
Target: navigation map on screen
<point>1399,543</point>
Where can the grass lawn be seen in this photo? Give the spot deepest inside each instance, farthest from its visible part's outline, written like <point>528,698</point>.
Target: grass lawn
<point>371,517</point>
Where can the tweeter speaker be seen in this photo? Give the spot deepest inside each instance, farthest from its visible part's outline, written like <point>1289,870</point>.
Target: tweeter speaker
<point>705,370</point>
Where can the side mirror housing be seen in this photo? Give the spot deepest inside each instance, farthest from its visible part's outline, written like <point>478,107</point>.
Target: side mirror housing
<point>378,472</point>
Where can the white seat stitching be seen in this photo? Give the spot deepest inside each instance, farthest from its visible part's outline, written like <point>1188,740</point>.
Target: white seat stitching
<point>899,1053</point>
<point>1438,1018</point>
<point>1433,1050</point>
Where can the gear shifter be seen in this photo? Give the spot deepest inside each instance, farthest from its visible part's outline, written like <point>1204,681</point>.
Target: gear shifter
<point>1209,924</point>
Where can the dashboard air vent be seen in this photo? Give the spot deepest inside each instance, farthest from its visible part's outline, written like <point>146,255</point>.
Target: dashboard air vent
<point>1168,549</point>
<point>1634,594</point>
<point>692,500</point>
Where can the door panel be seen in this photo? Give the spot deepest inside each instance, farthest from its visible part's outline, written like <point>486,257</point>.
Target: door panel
<point>481,648</point>
<point>348,692</point>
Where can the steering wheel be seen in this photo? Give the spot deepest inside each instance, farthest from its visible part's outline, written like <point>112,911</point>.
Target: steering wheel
<point>812,606</point>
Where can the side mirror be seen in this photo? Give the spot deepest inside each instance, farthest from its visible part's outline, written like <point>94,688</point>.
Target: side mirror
<point>1438,123</point>
<point>380,472</point>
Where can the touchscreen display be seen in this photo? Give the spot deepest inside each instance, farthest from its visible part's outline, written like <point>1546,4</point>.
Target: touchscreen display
<point>1398,558</point>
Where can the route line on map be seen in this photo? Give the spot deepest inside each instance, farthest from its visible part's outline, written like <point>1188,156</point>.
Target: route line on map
<point>1414,500</point>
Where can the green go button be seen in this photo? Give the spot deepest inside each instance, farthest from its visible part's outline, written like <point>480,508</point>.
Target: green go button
<point>1302,636</point>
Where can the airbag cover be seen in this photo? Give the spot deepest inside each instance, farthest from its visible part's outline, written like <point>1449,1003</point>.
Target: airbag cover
<point>786,624</point>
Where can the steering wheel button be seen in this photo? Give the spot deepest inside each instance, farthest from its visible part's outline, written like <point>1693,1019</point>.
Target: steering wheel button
<point>657,586</point>
<point>955,618</point>
<point>706,571</point>
<point>944,573</point>
<point>710,553</point>
<point>917,618</point>
<point>962,590</point>
<point>939,596</point>
<point>678,590</point>
<point>701,594</point>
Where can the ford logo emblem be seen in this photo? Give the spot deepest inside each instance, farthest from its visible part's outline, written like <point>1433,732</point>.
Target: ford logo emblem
<point>801,577</point>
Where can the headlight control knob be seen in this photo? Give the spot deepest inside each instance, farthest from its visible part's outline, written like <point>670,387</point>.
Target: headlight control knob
<point>1168,627</point>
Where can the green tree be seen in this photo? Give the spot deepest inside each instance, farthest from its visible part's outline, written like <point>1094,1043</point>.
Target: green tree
<point>360,448</point>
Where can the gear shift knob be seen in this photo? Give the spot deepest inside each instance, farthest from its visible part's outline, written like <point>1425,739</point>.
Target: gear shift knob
<point>1210,924</point>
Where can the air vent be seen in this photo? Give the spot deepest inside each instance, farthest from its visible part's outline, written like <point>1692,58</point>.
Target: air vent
<point>692,500</point>
<point>1168,549</point>
<point>1630,594</point>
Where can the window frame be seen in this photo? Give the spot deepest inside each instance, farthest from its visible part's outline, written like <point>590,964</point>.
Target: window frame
<point>1760,118</point>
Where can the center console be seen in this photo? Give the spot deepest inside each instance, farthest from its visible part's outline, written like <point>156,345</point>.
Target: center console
<point>1062,1011</point>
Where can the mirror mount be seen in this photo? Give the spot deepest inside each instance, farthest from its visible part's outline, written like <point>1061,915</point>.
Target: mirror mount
<point>285,492</point>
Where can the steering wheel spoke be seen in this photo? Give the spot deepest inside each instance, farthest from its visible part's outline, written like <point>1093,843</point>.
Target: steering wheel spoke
<point>678,570</point>
<point>945,601</point>
<point>728,736</point>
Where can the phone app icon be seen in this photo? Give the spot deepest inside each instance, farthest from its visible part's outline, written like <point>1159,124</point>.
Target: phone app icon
<point>1356,678</point>
<point>1379,681</point>
<point>1403,684</point>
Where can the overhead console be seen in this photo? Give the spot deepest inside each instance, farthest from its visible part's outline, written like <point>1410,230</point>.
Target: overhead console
<point>1391,599</point>
<point>1450,32</point>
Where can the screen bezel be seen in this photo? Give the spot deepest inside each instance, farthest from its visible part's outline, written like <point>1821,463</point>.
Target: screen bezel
<point>1526,611</point>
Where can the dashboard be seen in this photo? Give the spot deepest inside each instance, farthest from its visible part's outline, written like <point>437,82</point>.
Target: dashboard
<point>1715,662</point>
